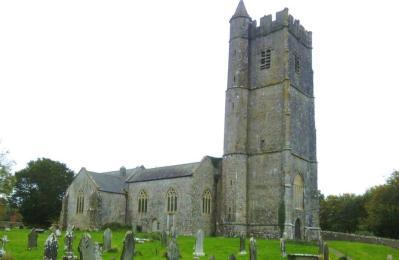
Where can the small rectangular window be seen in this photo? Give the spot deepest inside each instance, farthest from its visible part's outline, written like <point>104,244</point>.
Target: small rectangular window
<point>265,59</point>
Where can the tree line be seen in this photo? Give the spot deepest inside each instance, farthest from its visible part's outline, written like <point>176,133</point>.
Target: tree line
<point>376,212</point>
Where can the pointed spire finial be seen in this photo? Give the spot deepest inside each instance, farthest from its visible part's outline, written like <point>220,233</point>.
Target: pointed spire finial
<point>241,11</point>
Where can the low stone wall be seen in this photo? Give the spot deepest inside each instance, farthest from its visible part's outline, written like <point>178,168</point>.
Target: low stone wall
<point>7,224</point>
<point>329,235</point>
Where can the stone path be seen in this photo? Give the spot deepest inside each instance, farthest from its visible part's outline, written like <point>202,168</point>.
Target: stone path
<point>339,253</point>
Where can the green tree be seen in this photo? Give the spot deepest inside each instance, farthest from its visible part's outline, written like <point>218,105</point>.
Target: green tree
<point>342,213</point>
<point>39,190</point>
<point>7,180</point>
<point>383,208</point>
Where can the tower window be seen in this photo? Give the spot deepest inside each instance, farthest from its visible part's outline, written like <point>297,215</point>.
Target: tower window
<point>265,59</point>
<point>297,63</point>
<point>206,202</point>
<point>298,192</point>
<point>172,201</point>
<point>143,200</point>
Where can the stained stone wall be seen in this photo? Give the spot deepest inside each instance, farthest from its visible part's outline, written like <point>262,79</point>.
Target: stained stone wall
<point>99,207</point>
<point>157,205</point>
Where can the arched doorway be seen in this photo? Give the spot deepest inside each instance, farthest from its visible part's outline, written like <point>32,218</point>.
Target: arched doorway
<point>297,229</point>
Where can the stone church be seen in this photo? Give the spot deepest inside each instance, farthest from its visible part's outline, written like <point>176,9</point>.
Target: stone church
<point>266,182</point>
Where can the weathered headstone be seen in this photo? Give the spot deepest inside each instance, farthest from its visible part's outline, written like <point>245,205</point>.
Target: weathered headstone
<point>321,245</point>
<point>212,257</point>
<point>389,257</point>
<point>283,247</point>
<point>199,244</point>
<point>3,241</point>
<point>242,244</point>
<point>173,250</point>
<point>107,238</point>
<point>97,251</point>
<point>128,246</point>
<point>252,249</point>
<point>164,238</point>
<point>68,241</point>
<point>86,248</point>
<point>51,247</point>
<point>32,239</point>
<point>232,257</point>
<point>58,233</point>
<point>326,253</point>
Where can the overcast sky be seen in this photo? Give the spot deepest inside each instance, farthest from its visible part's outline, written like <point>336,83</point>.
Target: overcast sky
<point>101,84</point>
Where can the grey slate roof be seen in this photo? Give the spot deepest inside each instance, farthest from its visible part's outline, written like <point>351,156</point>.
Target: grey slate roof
<point>241,11</point>
<point>167,172</point>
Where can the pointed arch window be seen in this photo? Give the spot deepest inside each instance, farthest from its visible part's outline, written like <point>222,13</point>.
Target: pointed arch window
<point>171,200</point>
<point>298,192</point>
<point>80,203</point>
<point>143,202</point>
<point>206,202</point>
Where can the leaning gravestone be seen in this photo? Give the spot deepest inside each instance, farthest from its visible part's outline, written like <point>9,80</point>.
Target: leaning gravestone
<point>107,238</point>
<point>326,254</point>
<point>252,249</point>
<point>173,250</point>
<point>199,244</point>
<point>128,246</point>
<point>32,239</point>
<point>51,248</point>
<point>283,247</point>
<point>242,244</point>
<point>86,248</point>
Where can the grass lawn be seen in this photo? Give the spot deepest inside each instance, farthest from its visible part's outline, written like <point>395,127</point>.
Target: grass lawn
<point>220,247</point>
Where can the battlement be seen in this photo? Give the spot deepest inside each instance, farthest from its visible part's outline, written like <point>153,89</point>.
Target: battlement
<point>283,19</point>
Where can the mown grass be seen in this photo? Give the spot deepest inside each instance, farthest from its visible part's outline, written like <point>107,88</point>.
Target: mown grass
<point>363,251</point>
<point>220,247</point>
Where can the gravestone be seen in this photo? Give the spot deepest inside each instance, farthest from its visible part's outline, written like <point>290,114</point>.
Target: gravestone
<point>128,246</point>
<point>173,250</point>
<point>107,238</point>
<point>252,249</point>
<point>87,250</point>
<point>199,244</point>
<point>58,233</point>
<point>326,253</point>
<point>232,257</point>
<point>242,244</point>
<point>389,257</point>
<point>68,241</point>
<point>164,238</point>
<point>51,247</point>
<point>32,239</point>
<point>97,251</point>
<point>212,257</point>
<point>321,245</point>
<point>283,247</point>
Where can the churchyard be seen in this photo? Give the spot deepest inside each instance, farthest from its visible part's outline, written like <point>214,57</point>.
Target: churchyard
<point>151,246</point>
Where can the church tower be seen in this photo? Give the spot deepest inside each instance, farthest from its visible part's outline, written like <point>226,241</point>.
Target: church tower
<point>269,169</point>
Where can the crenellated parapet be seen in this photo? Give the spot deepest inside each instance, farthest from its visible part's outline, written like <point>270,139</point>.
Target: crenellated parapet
<point>283,19</point>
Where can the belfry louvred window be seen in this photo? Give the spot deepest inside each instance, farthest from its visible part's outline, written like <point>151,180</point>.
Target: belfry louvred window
<point>265,59</point>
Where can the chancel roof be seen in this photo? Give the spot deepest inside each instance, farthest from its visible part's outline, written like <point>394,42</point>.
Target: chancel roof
<point>167,172</point>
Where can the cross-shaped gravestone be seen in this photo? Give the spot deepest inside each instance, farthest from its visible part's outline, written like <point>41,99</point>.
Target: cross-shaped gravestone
<point>68,244</point>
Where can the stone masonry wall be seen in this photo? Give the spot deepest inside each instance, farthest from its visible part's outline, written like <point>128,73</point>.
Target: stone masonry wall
<point>329,235</point>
